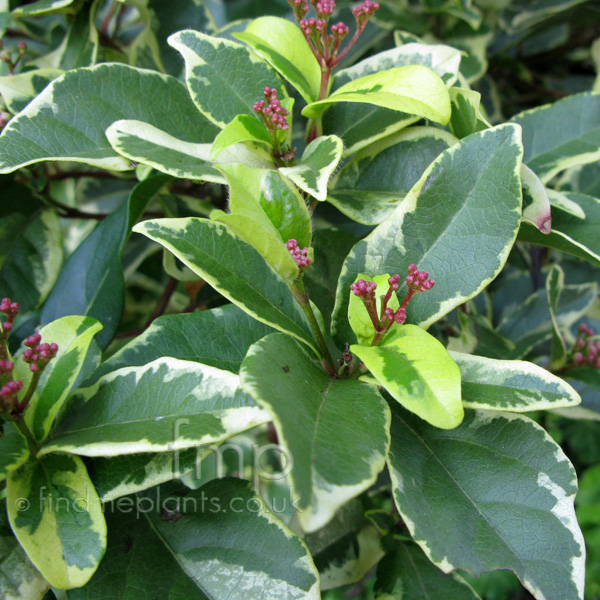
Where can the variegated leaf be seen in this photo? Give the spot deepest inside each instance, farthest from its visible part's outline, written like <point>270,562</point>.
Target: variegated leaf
<point>13,450</point>
<point>335,430</point>
<point>438,226</point>
<point>519,516</point>
<point>511,385</point>
<point>168,404</point>
<point>536,205</point>
<point>18,90</point>
<point>57,517</point>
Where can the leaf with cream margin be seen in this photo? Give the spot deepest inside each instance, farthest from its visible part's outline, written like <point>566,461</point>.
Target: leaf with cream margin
<point>235,548</point>
<point>73,335</point>
<point>371,185</point>
<point>536,205</point>
<point>56,515</point>
<point>571,233</point>
<point>224,78</point>
<point>281,43</point>
<point>148,145</point>
<point>319,160</point>
<point>68,120</point>
<point>439,227</point>
<point>335,430</point>
<point>550,149</point>
<point>520,516</point>
<point>555,282</point>
<point>233,268</point>
<point>413,89</point>
<point>19,90</point>
<point>19,579</point>
<point>168,404</point>
<point>417,371</point>
<point>511,385</point>
<point>42,7</point>
<point>466,114</point>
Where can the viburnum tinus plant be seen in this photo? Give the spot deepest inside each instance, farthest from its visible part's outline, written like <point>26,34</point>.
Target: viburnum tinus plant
<point>382,300</point>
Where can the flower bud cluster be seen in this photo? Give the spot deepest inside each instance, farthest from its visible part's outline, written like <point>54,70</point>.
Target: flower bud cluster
<point>271,111</point>
<point>7,57</point>
<point>300,255</point>
<point>11,310</point>
<point>364,289</point>
<point>363,12</point>
<point>38,355</point>
<point>418,281</point>
<point>8,396</point>
<point>586,351</point>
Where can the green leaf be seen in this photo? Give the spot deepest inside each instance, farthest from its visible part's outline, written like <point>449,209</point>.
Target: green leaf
<point>346,548</point>
<point>405,573</point>
<point>527,13</point>
<point>361,124</point>
<point>571,233</point>
<point>374,181</point>
<point>168,404</point>
<point>550,149</point>
<point>555,282</point>
<point>335,430</point>
<point>358,316</point>
<point>244,128</point>
<point>91,282</point>
<point>511,385</point>
<point>13,451</point>
<point>466,115</point>
<point>148,145</point>
<point>73,336</point>
<point>519,516</point>
<point>233,268</point>
<point>438,227</point>
<point>418,372</point>
<point>281,44</point>
<point>19,579</point>
<point>41,7</point>
<point>57,517</point>
<point>318,162</point>
<point>60,125</point>
<point>536,204</point>
<point>82,40</point>
<point>18,90</point>
<point>219,338</point>
<point>225,78</point>
<point>530,323</point>
<point>235,548</point>
<point>413,89</point>
<point>587,383</point>
<point>38,252</point>
<point>137,565</point>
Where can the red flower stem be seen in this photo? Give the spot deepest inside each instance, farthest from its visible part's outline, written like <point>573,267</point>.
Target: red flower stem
<point>349,45</point>
<point>407,298</point>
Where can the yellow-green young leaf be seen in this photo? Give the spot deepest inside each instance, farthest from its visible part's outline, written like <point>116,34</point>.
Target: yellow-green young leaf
<point>56,514</point>
<point>143,143</point>
<point>225,78</point>
<point>358,316</point>
<point>418,372</point>
<point>536,205</point>
<point>233,268</point>
<point>13,450</point>
<point>281,43</point>
<point>19,579</point>
<point>511,385</point>
<point>319,160</point>
<point>73,336</point>
<point>168,404</point>
<point>18,90</point>
<point>336,431</point>
<point>413,89</point>
<point>244,128</point>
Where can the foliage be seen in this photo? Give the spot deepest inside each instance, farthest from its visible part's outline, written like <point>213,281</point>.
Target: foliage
<point>299,301</point>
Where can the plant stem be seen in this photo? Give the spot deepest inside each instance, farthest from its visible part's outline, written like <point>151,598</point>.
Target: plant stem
<point>23,404</point>
<point>31,441</point>
<point>302,298</point>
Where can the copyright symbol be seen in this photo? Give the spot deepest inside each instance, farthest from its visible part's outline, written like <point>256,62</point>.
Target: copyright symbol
<point>22,504</point>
